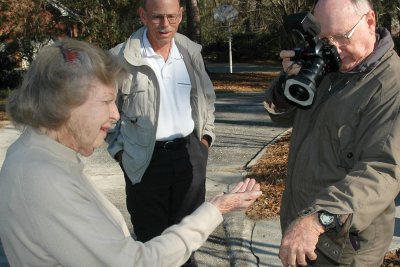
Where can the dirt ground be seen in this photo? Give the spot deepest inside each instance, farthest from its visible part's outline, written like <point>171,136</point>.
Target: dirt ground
<point>270,171</point>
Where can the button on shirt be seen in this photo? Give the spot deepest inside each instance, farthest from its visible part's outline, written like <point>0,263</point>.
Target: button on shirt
<point>175,114</point>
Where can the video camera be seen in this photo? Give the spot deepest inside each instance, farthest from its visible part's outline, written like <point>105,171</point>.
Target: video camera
<point>315,56</point>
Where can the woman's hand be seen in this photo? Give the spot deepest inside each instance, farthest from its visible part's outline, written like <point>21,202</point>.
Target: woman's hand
<point>240,197</point>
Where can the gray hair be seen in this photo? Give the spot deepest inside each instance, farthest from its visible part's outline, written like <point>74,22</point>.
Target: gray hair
<point>60,79</point>
<point>145,2</point>
<point>362,6</point>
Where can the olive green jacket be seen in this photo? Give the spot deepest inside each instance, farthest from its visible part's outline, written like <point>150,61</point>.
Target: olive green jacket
<point>345,153</point>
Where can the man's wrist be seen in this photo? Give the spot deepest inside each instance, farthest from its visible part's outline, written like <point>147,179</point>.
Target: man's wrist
<point>318,225</point>
<point>330,221</point>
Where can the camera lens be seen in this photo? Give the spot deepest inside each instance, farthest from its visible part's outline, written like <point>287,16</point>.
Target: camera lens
<point>299,92</point>
<point>301,88</point>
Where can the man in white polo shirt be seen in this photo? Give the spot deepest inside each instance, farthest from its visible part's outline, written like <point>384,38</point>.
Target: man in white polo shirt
<point>167,121</point>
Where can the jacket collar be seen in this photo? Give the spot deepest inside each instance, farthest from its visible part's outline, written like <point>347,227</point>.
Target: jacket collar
<point>148,51</point>
<point>132,49</point>
<point>33,138</point>
<point>384,43</point>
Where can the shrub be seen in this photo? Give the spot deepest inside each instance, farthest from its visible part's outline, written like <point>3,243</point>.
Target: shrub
<point>10,76</point>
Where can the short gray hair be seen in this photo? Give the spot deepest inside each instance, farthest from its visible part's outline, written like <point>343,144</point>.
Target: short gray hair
<point>60,79</point>
<point>360,6</point>
<point>145,2</point>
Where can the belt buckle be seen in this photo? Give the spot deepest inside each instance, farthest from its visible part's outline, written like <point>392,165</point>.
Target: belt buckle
<point>169,142</point>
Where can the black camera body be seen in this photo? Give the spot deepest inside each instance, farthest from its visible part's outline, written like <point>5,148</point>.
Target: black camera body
<point>315,56</point>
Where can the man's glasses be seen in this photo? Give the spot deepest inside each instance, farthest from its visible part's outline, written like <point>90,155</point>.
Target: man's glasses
<point>158,18</point>
<point>342,38</point>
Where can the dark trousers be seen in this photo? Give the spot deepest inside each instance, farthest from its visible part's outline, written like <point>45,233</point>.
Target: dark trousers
<point>172,187</point>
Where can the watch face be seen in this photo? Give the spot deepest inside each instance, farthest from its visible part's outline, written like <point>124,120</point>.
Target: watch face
<point>326,219</point>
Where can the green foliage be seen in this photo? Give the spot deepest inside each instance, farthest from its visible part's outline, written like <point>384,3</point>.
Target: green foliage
<point>9,75</point>
<point>28,25</point>
<point>258,32</point>
<point>24,25</point>
<point>250,46</point>
<point>245,47</point>
<point>4,93</point>
<point>105,23</point>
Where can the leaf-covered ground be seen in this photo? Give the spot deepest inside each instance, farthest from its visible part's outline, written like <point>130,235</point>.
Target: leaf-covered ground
<point>270,171</point>
<point>3,116</point>
<point>241,82</point>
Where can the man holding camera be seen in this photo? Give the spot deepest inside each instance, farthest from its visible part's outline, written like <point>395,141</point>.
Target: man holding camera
<point>343,176</point>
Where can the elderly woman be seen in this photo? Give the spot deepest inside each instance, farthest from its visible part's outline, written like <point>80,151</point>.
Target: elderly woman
<point>50,212</point>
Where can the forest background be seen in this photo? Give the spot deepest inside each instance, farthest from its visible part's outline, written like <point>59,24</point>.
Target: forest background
<point>257,33</point>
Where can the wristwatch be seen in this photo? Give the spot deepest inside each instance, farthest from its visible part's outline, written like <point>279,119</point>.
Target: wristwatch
<point>327,220</point>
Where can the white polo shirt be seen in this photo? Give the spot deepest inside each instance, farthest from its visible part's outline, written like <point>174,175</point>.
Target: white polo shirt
<point>175,116</point>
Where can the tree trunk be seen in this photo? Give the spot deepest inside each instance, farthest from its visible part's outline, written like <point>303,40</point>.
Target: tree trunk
<point>193,20</point>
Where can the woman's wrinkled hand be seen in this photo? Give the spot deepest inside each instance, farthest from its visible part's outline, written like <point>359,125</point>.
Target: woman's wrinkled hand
<point>240,197</point>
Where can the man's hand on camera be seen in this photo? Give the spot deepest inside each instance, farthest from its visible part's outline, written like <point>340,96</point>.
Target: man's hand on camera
<point>289,66</point>
<point>240,197</point>
<point>300,240</point>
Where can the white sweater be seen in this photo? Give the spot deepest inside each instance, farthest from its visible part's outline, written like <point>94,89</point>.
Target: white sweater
<point>52,215</point>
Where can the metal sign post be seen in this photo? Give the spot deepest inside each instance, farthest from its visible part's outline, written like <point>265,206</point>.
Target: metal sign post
<point>226,13</point>
<point>230,46</point>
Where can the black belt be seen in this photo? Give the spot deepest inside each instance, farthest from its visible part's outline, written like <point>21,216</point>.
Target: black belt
<point>175,144</point>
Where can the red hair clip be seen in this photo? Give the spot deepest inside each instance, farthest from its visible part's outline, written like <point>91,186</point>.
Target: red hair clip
<point>69,56</point>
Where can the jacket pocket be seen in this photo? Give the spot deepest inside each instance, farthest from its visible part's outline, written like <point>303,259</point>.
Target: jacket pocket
<point>137,134</point>
<point>134,104</point>
<point>336,246</point>
<point>134,95</point>
<point>346,149</point>
<point>136,130</point>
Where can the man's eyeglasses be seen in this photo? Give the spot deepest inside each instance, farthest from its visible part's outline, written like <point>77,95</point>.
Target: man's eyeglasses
<point>158,18</point>
<point>342,38</point>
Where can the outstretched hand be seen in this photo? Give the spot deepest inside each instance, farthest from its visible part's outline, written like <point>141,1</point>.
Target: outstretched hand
<point>240,197</point>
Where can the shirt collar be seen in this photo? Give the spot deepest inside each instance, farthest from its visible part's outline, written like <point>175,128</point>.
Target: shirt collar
<point>148,51</point>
